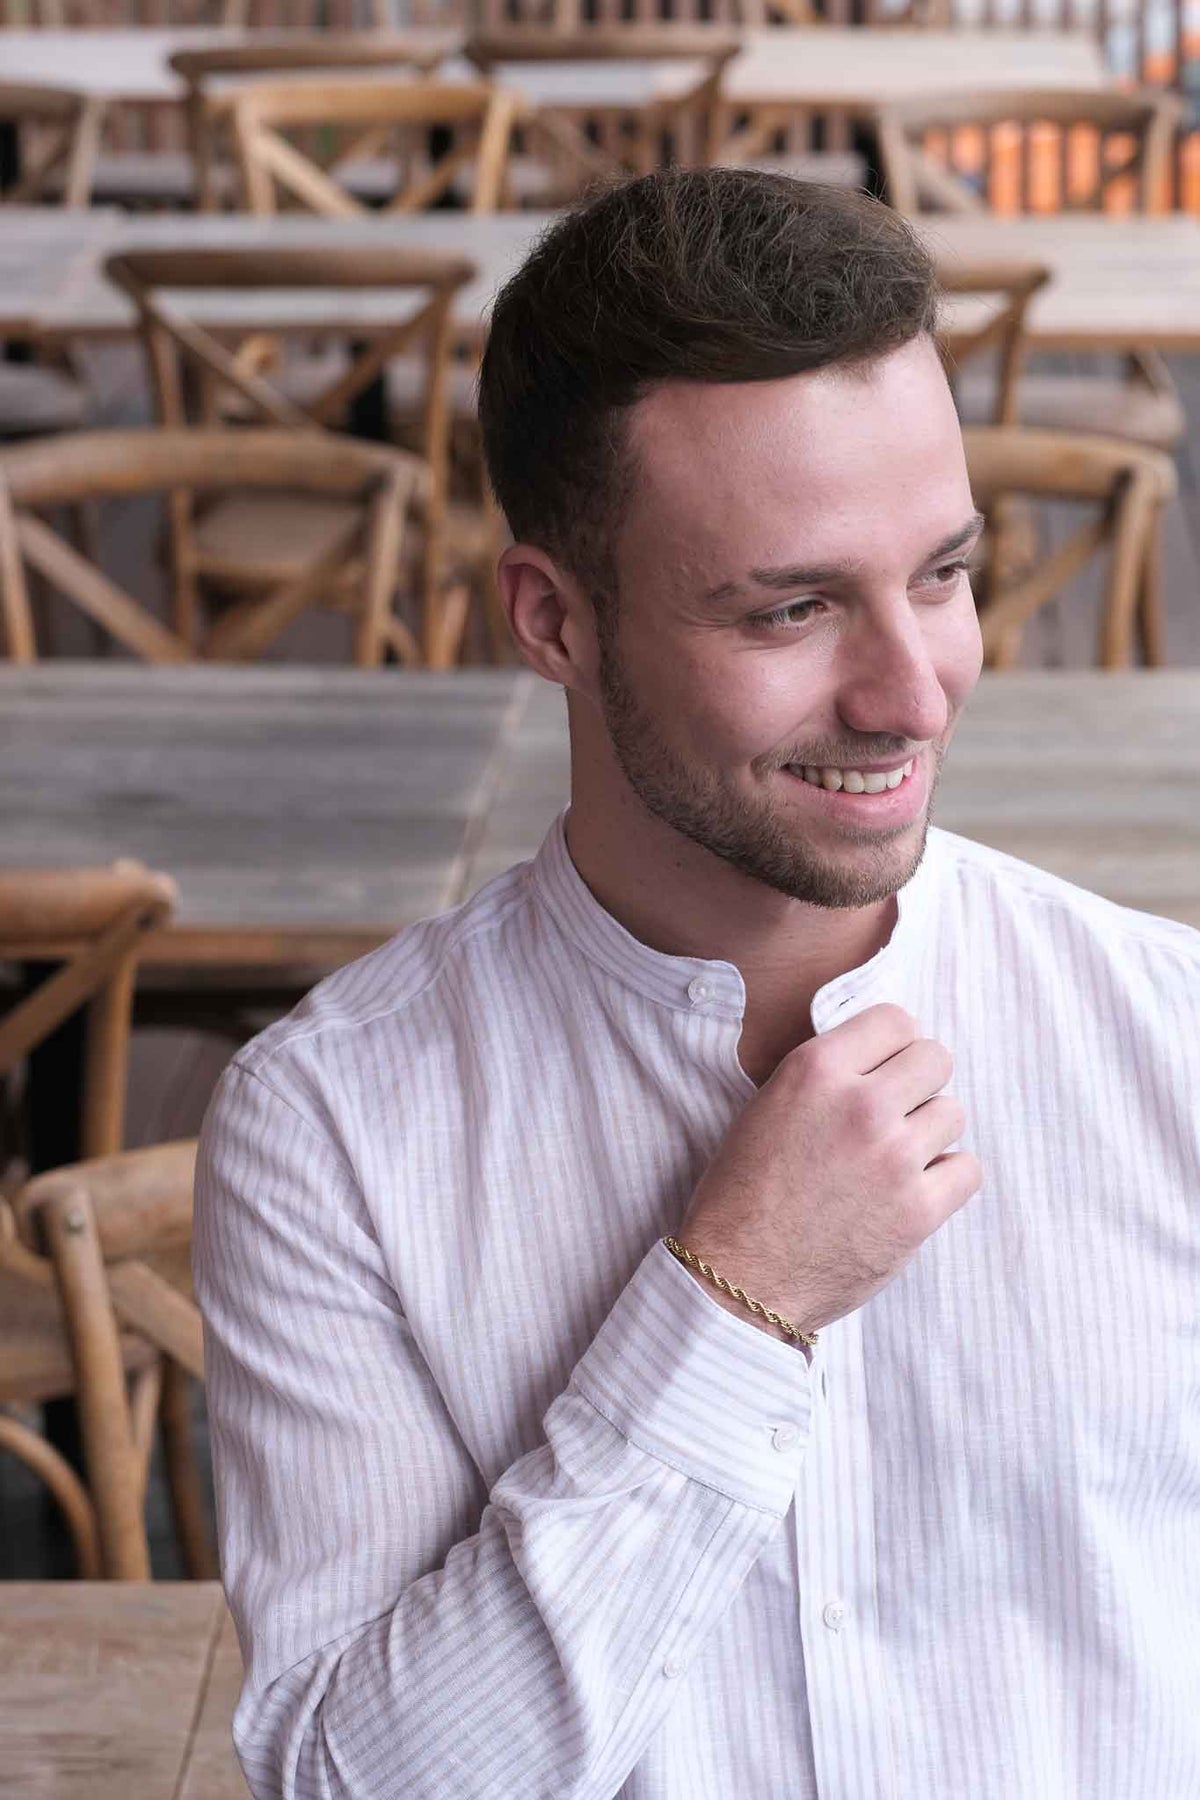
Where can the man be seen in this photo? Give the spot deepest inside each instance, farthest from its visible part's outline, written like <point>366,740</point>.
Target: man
<point>515,1500</point>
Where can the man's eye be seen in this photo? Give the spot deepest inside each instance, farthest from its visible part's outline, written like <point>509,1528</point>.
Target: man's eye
<point>796,612</point>
<point>948,573</point>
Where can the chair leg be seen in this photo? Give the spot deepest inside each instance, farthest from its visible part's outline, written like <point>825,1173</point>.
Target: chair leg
<point>183,1481</point>
<point>65,1486</point>
<point>1150,622</point>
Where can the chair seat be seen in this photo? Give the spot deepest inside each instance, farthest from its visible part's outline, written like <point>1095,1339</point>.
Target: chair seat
<point>1109,406</point>
<point>35,1362</point>
<point>34,400</point>
<point>257,539</point>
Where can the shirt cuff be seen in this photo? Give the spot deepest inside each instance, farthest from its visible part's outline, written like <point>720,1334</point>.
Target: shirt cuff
<point>692,1385</point>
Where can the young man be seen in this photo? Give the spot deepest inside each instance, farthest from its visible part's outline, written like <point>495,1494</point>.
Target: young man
<point>515,1501</point>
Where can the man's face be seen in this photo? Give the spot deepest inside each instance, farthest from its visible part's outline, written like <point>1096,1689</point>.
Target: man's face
<point>793,595</point>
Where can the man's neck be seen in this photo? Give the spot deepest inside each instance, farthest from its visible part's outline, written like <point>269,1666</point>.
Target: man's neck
<point>680,899</point>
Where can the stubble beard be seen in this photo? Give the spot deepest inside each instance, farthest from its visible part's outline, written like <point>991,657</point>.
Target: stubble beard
<point>749,836</point>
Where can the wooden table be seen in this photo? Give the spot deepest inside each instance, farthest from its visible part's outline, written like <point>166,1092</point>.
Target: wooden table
<point>854,69</point>
<point>117,1691</point>
<point>1117,282</point>
<point>309,813</point>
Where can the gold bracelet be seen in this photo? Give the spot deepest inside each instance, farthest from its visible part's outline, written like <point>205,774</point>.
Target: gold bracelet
<point>684,1255</point>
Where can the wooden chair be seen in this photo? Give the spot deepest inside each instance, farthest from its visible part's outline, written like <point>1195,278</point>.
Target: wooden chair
<point>95,1302</point>
<point>1142,402</point>
<point>456,546</point>
<point>57,1335</point>
<point>1138,126</point>
<point>207,76</point>
<point>583,145</point>
<point>59,130</point>
<point>1127,485</point>
<point>380,131</point>
<point>988,321</point>
<point>358,496</point>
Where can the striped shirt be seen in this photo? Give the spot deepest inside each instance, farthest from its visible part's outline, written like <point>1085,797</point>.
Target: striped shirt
<point>510,1507</point>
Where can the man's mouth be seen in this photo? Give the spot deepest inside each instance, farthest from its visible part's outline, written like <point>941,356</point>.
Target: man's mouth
<point>853,781</point>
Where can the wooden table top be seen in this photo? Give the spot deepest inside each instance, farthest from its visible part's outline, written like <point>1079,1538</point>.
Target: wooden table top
<point>856,68</point>
<point>118,1691</point>
<point>307,813</point>
<point>1116,282</point>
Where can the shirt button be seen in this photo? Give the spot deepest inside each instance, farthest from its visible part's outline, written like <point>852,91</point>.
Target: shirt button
<point>785,1437</point>
<point>824,1383</point>
<point>834,1614</point>
<point>673,1668</point>
<point>699,991</point>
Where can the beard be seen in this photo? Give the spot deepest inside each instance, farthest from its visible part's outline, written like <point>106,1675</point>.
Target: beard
<point>750,833</point>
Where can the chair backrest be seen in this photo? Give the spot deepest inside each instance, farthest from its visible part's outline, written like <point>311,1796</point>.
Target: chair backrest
<point>993,299</point>
<point>60,136</point>
<point>384,483</point>
<point>108,1236</point>
<point>1126,485</point>
<point>208,74</point>
<point>90,924</point>
<point>597,143</point>
<point>1095,146</point>
<point>370,118</point>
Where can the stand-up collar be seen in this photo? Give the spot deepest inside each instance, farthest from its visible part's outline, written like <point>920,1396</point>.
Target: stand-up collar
<point>693,983</point>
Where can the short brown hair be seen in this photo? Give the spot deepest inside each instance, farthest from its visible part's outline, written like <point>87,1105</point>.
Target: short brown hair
<point>721,275</point>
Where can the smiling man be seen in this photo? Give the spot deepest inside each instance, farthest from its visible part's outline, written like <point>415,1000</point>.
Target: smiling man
<point>717,1314</point>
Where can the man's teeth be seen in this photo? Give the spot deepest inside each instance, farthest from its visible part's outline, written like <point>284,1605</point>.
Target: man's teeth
<point>854,781</point>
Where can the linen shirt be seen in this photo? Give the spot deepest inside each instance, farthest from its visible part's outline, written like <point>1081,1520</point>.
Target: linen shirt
<point>510,1507</point>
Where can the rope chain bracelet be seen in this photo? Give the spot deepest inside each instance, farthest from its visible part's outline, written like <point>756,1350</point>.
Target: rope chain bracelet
<point>684,1255</point>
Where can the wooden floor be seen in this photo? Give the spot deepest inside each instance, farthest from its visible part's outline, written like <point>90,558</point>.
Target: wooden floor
<point>173,1073</point>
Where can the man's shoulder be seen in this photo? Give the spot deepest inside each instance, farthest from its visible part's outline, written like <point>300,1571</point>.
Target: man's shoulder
<point>1044,900</point>
<point>402,989</point>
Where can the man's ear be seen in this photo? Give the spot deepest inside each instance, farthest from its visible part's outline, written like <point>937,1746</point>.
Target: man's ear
<point>552,621</point>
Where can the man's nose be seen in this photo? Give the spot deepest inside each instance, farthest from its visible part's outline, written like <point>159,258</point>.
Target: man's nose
<point>888,682</point>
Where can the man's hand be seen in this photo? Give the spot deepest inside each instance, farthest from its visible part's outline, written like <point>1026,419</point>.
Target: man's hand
<point>836,1172</point>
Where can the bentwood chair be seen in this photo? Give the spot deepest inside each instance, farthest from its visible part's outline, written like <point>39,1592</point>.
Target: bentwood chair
<point>357,500</point>
<point>78,934</point>
<point>59,134</point>
<point>97,1303</point>
<point>598,139</point>
<point>369,135</point>
<point>210,77</point>
<point>1124,487</point>
<point>1109,139</point>
<point>383,302</point>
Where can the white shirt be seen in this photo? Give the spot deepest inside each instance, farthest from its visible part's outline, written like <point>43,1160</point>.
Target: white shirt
<point>512,1508</point>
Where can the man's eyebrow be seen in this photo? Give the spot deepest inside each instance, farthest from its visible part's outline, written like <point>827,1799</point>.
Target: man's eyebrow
<point>799,575</point>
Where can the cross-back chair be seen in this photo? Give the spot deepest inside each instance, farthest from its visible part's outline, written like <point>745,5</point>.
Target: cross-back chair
<point>59,129</point>
<point>96,1291</point>
<point>79,932</point>
<point>1141,401</point>
<point>1126,485</point>
<point>198,368</point>
<point>591,143</point>
<point>208,77</point>
<point>378,125</point>
<point>988,321</point>
<point>357,498</point>
<point>1123,138</point>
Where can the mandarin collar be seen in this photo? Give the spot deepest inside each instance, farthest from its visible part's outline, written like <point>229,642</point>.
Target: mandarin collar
<point>714,987</point>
